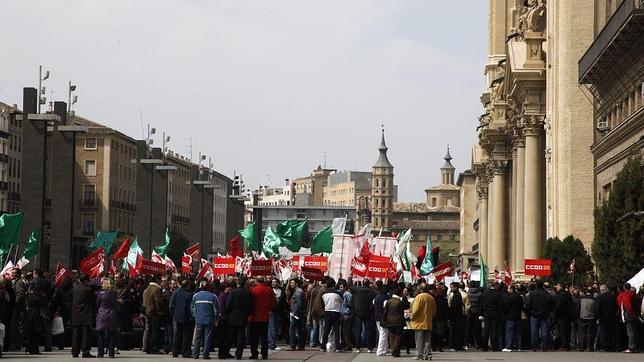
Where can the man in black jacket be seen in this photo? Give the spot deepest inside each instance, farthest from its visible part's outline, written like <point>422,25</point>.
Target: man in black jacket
<point>362,305</point>
<point>513,303</point>
<point>606,308</point>
<point>83,303</point>
<point>539,304</point>
<point>473,329</point>
<point>491,307</point>
<point>239,306</point>
<point>182,316</point>
<point>563,316</point>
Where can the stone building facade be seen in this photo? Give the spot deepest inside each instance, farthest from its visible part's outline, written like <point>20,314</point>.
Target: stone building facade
<point>10,156</point>
<point>534,174</point>
<point>344,188</point>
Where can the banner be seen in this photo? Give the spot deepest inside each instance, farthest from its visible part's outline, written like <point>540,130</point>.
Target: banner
<point>377,269</point>
<point>261,267</point>
<point>313,274</point>
<point>319,262</point>
<point>194,251</point>
<point>223,266</point>
<point>358,267</point>
<point>442,270</point>
<point>93,265</point>
<point>149,267</point>
<point>186,262</point>
<point>61,274</point>
<point>540,267</point>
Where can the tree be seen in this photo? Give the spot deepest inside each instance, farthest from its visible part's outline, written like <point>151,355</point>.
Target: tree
<point>178,244</point>
<point>561,253</point>
<point>618,249</point>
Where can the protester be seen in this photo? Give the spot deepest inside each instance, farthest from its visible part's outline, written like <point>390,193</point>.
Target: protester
<point>627,316</point>
<point>239,306</point>
<point>378,308</point>
<point>347,317</point>
<point>513,306</point>
<point>297,327</point>
<point>474,328</point>
<point>539,304</point>
<point>181,313</point>
<point>263,303</point>
<point>563,315</point>
<point>457,314</point>
<point>394,319</point>
<point>19,307</point>
<point>205,310</point>
<point>106,318</point>
<point>422,314</point>
<point>587,321</point>
<point>332,303</point>
<point>364,324</point>
<point>277,315</point>
<point>83,304</point>
<point>154,310</point>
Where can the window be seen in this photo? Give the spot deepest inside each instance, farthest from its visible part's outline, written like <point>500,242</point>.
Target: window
<point>433,202</point>
<point>449,201</point>
<point>88,224</point>
<point>90,143</point>
<point>90,167</point>
<point>89,195</point>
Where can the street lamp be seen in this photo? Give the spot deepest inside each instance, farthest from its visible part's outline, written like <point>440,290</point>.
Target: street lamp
<point>71,100</point>
<point>41,90</point>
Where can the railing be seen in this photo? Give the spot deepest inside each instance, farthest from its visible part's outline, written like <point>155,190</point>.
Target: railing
<point>88,203</point>
<point>612,27</point>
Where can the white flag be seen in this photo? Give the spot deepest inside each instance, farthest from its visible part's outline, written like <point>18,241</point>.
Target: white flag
<point>339,224</point>
<point>22,262</point>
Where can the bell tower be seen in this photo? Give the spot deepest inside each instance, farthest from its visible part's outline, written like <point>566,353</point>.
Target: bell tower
<point>382,188</point>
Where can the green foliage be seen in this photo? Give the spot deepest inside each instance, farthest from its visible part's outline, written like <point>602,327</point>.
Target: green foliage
<point>178,244</point>
<point>618,249</point>
<point>562,252</point>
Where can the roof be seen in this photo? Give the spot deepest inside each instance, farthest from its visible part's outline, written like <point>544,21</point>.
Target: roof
<point>303,207</point>
<point>421,207</point>
<point>448,158</point>
<point>81,121</point>
<point>445,187</point>
<point>383,161</point>
<point>428,225</point>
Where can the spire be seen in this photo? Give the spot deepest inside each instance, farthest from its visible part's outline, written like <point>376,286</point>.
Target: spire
<point>383,161</point>
<point>448,159</point>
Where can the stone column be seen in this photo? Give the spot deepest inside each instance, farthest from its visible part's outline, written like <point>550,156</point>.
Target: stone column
<point>519,168</point>
<point>490,219</point>
<point>483,220</point>
<point>497,243</point>
<point>533,204</point>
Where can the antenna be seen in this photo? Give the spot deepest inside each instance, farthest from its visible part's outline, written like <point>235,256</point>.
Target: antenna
<point>190,147</point>
<point>324,155</point>
<point>142,127</point>
<point>268,179</point>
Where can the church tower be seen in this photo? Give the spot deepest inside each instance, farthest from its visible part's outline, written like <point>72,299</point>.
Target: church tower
<point>447,171</point>
<point>382,189</point>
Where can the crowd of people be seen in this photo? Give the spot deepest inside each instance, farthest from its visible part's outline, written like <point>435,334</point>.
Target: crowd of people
<point>193,318</point>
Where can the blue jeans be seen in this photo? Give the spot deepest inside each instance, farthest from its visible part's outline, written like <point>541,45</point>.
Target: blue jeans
<point>316,331</point>
<point>537,325</point>
<point>273,326</point>
<point>364,328</point>
<point>203,333</point>
<point>512,334</point>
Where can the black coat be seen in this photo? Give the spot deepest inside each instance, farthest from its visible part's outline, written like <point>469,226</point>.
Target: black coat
<point>513,304</point>
<point>491,304</point>
<point>239,306</point>
<point>563,305</point>
<point>474,296</point>
<point>539,303</point>
<point>83,305</point>
<point>606,307</point>
<point>362,301</point>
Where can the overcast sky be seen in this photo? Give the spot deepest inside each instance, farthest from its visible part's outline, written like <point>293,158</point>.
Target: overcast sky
<point>265,87</point>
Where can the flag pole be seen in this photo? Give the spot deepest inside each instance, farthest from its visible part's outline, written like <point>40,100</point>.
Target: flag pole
<point>8,255</point>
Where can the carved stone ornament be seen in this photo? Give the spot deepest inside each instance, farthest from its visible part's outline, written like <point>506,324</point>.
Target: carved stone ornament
<point>498,166</point>
<point>533,18</point>
<point>481,190</point>
<point>548,153</point>
<point>532,124</point>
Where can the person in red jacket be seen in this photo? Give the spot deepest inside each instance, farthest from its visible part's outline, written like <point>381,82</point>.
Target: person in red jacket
<point>628,316</point>
<point>264,301</point>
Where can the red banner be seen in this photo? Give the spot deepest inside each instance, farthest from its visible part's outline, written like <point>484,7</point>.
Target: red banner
<point>194,251</point>
<point>61,274</point>
<point>149,267</point>
<point>223,266</point>
<point>261,267</point>
<point>317,262</point>
<point>313,274</point>
<point>541,267</point>
<point>186,260</point>
<point>442,270</point>
<point>377,269</point>
<point>93,265</point>
<point>379,258</point>
<point>358,267</point>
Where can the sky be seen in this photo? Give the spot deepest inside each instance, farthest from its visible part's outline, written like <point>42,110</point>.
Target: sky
<point>265,88</point>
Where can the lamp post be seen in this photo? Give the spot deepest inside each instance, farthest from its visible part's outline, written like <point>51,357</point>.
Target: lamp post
<point>71,101</point>
<point>41,90</point>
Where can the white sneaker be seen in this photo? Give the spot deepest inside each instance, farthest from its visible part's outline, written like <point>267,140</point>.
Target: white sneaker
<point>370,351</point>
<point>506,350</point>
<point>277,349</point>
<point>519,350</point>
<point>355,350</point>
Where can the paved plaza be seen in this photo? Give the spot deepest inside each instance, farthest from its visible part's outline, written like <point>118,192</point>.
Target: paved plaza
<point>316,356</point>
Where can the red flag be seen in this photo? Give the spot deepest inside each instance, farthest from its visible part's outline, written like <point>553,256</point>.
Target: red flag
<point>421,253</point>
<point>442,270</point>
<point>94,264</point>
<point>112,270</point>
<point>186,262</point>
<point>365,253</point>
<point>156,258</point>
<point>235,249</point>
<point>194,251</point>
<point>136,270</point>
<point>206,273</point>
<point>392,273</point>
<point>507,279</point>
<point>61,274</point>
<point>497,274</point>
<point>359,267</point>
<point>573,267</point>
<point>122,250</point>
<point>169,265</point>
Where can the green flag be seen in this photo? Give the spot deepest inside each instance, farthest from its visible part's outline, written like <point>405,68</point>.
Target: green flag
<point>31,246</point>
<point>163,249</point>
<point>104,239</point>
<point>249,233</point>
<point>134,251</point>
<point>483,282</point>
<point>291,233</point>
<point>323,241</point>
<point>271,243</point>
<point>10,227</point>
<point>428,263</point>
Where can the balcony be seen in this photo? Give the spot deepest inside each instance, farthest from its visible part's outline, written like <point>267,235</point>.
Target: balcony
<point>4,158</point>
<point>87,203</point>
<point>621,30</point>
